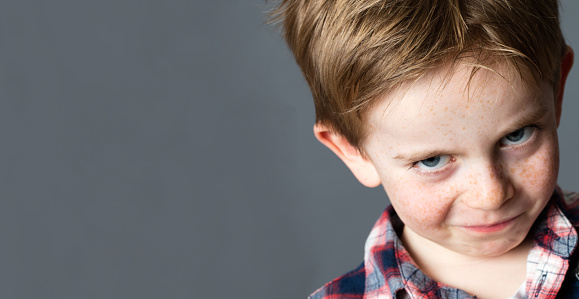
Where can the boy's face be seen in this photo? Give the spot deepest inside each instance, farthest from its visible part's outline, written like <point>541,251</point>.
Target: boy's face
<point>468,168</point>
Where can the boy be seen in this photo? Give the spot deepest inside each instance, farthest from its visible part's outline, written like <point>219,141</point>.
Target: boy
<point>453,107</point>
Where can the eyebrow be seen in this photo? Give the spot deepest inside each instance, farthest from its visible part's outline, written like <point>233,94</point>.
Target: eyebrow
<point>526,120</point>
<point>529,118</point>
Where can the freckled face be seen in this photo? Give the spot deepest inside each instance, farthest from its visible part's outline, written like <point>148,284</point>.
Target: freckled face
<point>469,169</point>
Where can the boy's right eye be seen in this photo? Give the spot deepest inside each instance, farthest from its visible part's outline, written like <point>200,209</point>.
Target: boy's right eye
<point>433,163</point>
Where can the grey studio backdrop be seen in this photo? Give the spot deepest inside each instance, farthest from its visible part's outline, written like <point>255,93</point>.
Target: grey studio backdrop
<point>164,149</point>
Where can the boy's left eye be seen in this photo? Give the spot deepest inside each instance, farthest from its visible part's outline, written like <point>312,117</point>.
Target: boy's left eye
<point>517,137</point>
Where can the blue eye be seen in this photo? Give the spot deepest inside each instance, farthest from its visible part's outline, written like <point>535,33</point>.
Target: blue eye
<point>433,163</point>
<point>517,137</point>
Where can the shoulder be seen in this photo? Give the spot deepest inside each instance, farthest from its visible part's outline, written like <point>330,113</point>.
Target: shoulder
<point>570,206</point>
<point>349,285</point>
<point>571,198</point>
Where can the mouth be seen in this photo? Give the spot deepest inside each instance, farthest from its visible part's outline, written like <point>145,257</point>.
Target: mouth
<point>491,228</point>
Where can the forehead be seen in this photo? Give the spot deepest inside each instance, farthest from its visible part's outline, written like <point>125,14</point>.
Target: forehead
<point>447,98</point>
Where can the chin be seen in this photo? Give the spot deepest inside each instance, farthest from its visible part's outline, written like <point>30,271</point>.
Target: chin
<point>493,248</point>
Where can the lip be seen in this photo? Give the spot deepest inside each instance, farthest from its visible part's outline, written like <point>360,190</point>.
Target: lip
<point>491,228</point>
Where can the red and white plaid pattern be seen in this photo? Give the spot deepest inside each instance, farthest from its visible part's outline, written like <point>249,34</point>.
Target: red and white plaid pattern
<point>388,270</point>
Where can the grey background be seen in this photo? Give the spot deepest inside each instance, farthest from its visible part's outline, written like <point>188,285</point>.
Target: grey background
<point>163,149</point>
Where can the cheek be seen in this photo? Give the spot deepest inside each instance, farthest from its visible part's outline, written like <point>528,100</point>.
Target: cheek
<point>419,205</point>
<point>538,173</point>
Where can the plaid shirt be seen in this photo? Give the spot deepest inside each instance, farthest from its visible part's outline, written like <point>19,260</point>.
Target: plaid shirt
<point>388,270</point>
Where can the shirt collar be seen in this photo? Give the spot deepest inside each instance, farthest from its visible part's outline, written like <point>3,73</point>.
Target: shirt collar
<point>555,240</point>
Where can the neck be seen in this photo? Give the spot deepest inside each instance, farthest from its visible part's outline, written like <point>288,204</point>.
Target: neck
<point>473,274</point>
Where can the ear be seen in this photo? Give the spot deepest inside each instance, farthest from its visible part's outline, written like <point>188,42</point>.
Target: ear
<point>362,167</point>
<point>566,64</point>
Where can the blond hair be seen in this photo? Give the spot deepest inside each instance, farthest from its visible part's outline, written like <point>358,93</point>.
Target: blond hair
<point>352,51</point>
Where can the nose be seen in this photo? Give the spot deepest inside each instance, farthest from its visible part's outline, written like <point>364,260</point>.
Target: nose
<point>491,188</point>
